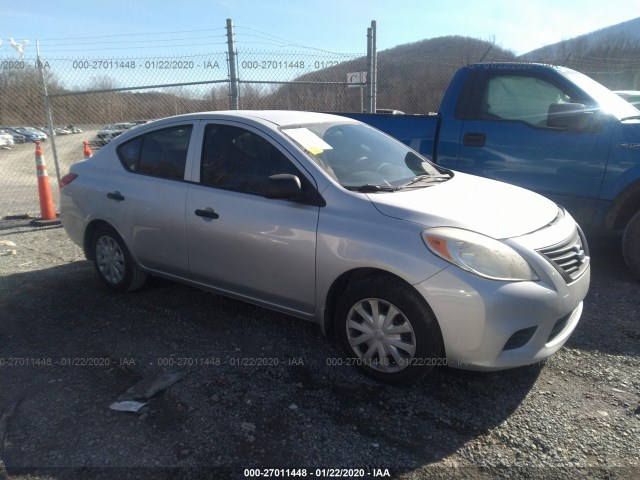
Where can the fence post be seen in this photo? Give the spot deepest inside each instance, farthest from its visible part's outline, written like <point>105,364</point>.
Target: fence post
<point>369,70</point>
<point>233,72</point>
<point>47,107</point>
<point>372,64</point>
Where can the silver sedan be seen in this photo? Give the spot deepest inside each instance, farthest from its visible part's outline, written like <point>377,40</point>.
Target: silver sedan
<point>408,264</point>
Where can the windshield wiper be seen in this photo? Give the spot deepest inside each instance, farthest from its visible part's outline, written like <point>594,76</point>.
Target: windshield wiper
<point>424,178</point>
<point>632,117</point>
<point>369,188</point>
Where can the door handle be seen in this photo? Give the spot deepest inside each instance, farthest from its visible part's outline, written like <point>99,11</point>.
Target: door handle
<point>206,213</point>
<point>115,196</point>
<point>474,139</point>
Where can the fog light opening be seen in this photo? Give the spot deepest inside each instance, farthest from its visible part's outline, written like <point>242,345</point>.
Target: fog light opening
<point>520,338</point>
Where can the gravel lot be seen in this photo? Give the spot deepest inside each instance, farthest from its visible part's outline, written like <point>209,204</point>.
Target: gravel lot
<point>578,416</point>
<point>19,192</point>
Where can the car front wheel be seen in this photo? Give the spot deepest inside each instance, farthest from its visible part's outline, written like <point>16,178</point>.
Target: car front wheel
<point>113,262</point>
<point>388,330</point>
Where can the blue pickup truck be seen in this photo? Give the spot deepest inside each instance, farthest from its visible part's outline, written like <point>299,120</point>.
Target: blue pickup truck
<point>545,128</point>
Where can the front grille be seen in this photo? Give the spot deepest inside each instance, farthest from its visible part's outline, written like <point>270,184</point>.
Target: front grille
<point>570,257</point>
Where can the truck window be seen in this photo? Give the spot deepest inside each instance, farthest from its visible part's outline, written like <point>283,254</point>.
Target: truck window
<point>522,98</point>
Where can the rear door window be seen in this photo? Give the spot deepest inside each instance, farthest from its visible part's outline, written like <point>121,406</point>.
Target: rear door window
<point>160,153</point>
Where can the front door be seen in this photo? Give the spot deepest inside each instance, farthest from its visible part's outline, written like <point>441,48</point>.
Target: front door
<point>241,242</point>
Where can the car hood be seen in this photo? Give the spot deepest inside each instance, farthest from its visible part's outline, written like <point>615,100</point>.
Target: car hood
<point>492,208</point>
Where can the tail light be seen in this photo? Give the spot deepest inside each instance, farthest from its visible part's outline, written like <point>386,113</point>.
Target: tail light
<point>67,179</point>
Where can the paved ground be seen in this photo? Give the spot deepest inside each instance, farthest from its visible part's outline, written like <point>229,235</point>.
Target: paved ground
<point>264,390</point>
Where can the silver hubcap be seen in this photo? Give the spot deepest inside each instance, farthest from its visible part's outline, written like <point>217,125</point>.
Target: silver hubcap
<point>110,260</point>
<point>381,335</point>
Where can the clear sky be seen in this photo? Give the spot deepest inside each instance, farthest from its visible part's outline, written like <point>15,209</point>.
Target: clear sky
<point>69,28</point>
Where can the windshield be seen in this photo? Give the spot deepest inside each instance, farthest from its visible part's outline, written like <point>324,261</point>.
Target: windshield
<point>357,155</point>
<point>608,101</point>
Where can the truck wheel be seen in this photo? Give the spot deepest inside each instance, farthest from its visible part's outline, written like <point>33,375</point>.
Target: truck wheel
<point>388,330</point>
<point>113,262</point>
<point>631,245</point>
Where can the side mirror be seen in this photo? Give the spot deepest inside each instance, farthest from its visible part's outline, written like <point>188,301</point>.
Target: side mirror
<point>572,116</point>
<point>283,185</point>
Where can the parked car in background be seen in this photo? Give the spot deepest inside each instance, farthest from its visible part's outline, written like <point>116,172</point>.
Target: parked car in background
<point>36,131</point>
<point>109,132</point>
<point>28,136</point>
<point>389,111</point>
<point>409,264</point>
<point>61,131</point>
<point>17,137</point>
<point>631,96</point>
<point>45,130</point>
<point>31,134</point>
<point>6,140</point>
<point>73,129</point>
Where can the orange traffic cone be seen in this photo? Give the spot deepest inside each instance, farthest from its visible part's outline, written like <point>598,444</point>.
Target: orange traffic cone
<point>87,150</point>
<point>47,210</point>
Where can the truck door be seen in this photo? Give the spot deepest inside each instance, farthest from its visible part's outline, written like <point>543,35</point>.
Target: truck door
<point>505,136</point>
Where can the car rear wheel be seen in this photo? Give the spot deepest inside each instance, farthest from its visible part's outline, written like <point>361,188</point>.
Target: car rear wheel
<point>388,330</point>
<point>631,245</point>
<point>113,262</point>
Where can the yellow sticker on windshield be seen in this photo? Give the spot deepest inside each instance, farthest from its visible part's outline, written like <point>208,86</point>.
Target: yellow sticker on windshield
<point>309,140</point>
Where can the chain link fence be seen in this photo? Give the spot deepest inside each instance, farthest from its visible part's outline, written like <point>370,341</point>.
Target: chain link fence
<point>88,93</point>
<point>298,80</point>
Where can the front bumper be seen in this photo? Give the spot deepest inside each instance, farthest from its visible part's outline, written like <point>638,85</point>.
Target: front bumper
<point>494,325</point>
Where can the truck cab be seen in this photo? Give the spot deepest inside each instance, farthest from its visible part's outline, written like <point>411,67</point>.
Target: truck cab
<point>546,128</point>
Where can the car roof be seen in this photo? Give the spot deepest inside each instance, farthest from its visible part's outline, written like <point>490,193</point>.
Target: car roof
<point>277,117</point>
<point>271,119</point>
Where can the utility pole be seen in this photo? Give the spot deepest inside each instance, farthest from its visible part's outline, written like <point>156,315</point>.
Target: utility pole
<point>233,68</point>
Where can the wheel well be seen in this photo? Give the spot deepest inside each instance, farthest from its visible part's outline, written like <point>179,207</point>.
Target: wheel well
<point>88,235</point>
<point>338,287</point>
<point>341,284</point>
<point>624,207</point>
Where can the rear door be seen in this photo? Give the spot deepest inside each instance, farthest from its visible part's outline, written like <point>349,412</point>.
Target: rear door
<point>147,195</point>
<point>505,136</point>
<point>239,241</point>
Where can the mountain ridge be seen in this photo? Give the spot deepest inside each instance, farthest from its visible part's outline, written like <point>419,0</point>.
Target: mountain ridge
<point>627,32</point>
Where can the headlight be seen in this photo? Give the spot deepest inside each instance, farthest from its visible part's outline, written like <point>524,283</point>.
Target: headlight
<point>478,254</point>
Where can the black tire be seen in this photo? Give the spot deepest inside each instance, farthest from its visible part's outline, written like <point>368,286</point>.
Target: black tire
<point>631,245</point>
<point>384,293</point>
<point>113,262</point>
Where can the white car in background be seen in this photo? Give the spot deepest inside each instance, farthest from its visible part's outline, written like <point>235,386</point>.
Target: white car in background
<point>6,140</point>
<point>15,136</point>
<point>631,96</point>
<point>73,129</point>
<point>408,264</point>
